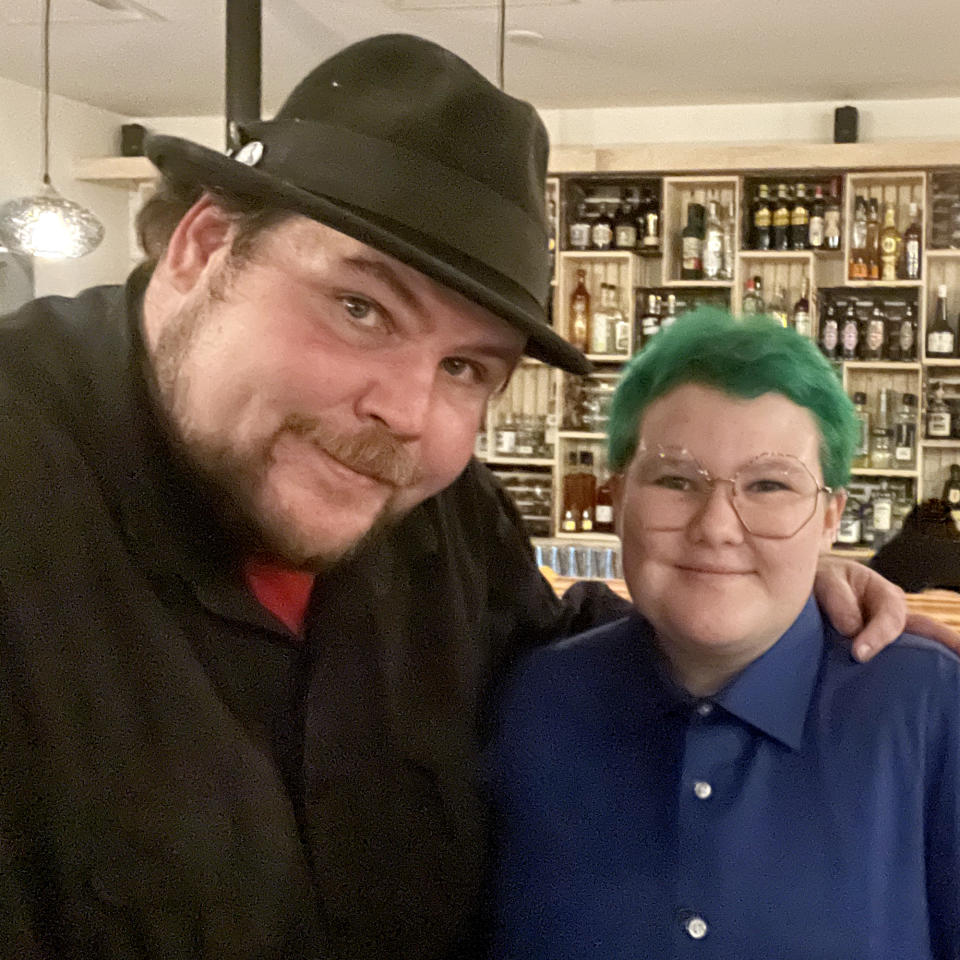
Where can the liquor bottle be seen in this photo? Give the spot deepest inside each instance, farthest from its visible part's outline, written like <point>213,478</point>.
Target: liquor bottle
<point>941,341</point>
<point>651,222</point>
<point>881,435</point>
<point>571,494</point>
<point>889,244</point>
<point>800,220</point>
<point>801,310</point>
<point>905,444</point>
<point>849,530</point>
<point>830,333</point>
<point>908,335</point>
<point>882,502</point>
<point>729,242</point>
<point>761,219</point>
<point>861,454</point>
<point>951,492</point>
<point>603,517</point>
<point>579,325</point>
<point>858,241</point>
<point>579,230</point>
<point>817,209</point>
<point>781,219</point>
<point>625,227</point>
<point>873,240</point>
<point>752,302</point>
<point>831,221</point>
<point>601,322</point>
<point>588,491</point>
<point>692,243</point>
<point>849,334</point>
<point>912,246</point>
<point>712,243</point>
<point>875,336</point>
<point>670,317</point>
<point>938,414</point>
<point>650,324</point>
<point>620,323</point>
<point>601,233</point>
<point>506,436</point>
<point>777,308</point>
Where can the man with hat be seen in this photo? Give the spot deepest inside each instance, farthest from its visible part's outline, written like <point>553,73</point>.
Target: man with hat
<point>254,591</point>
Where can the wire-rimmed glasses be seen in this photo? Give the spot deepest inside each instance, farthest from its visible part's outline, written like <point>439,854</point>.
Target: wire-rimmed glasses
<point>773,494</point>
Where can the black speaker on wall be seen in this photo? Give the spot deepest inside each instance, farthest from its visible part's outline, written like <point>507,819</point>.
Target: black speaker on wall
<point>846,123</point>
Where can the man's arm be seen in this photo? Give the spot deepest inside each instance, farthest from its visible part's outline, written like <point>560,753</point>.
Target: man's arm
<point>863,605</point>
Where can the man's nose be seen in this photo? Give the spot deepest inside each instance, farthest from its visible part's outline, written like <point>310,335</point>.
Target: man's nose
<point>716,520</point>
<point>399,394</point>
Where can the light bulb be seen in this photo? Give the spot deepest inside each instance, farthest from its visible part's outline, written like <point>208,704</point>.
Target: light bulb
<point>48,226</point>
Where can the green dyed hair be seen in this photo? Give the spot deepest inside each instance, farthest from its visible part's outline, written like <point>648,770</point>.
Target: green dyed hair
<point>742,357</point>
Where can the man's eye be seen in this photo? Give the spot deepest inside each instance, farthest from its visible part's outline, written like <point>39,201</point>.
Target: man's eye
<point>673,481</point>
<point>465,370</point>
<point>363,311</point>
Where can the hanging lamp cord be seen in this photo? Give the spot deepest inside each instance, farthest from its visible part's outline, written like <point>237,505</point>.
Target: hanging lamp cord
<point>45,98</point>
<point>501,40</point>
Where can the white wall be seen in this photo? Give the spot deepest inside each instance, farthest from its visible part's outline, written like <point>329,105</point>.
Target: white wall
<point>76,130</point>
<point>812,122</point>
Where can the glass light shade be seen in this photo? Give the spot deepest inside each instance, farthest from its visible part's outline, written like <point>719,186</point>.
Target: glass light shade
<point>48,226</point>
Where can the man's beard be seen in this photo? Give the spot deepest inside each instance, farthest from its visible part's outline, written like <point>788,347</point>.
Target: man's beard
<point>233,479</point>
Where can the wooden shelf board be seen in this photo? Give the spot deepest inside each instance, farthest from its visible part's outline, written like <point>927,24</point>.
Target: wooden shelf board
<point>580,435</point>
<point>776,255</point>
<point>941,361</point>
<point>520,461</point>
<point>853,553</point>
<point>878,284</point>
<point>940,444</point>
<point>122,171</point>
<point>875,472</point>
<point>715,284</point>
<point>891,365</point>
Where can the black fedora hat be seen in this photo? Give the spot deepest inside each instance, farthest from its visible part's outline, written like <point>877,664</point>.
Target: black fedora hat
<point>404,146</point>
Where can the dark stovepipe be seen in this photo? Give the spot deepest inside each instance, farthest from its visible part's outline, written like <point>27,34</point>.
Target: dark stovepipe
<point>243,65</point>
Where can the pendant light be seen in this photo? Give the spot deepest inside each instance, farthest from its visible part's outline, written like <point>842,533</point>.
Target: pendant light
<point>47,225</point>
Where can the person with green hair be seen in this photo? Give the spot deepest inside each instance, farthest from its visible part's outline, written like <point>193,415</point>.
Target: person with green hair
<point>715,767</point>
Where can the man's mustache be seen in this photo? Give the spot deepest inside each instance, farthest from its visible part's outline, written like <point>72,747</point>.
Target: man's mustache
<point>372,450</point>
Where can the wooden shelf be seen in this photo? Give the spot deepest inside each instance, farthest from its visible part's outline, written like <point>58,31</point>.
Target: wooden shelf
<point>852,553</point>
<point>580,435</point>
<point>952,253</point>
<point>520,461</point>
<point>875,472</point>
<point>880,284</point>
<point>776,254</point>
<point>602,539</point>
<point>122,171</point>
<point>941,362</point>
<point>714,284</point>
<point>941,444</point>
<point>608,357</point>
<point>905,366</point>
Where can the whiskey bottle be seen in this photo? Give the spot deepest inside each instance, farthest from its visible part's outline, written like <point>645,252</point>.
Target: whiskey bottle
<point>729,243</point>
<point>850,334</point>
<point>601,233</point>
<point>625,227</point>
<point>650,323</point>
<point>712,243</point>
<point>603,517</point>
<point>781,219</point>
<point>579,324</point>
<point>801,310</point>
<point>873,240</point>
<point>830,333</point>
<point>752,302</point>
<point>875,336</point>
<point>912,246</point>
<point>831,221</point>
<point>800,220</point>
<point>692,244</point>
<point>761,219</point>
<point>889,244</point>
<point>651,222</point>
<point>858,241</point>
<point>579,230</point>
<point>938,414</point>
<point>907,335</point>
<point>941,342</point>
<point>817,210</point>
<point>601,322</point>
<point>905,445</point>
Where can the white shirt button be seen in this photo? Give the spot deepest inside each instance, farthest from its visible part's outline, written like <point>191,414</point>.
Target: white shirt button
<point>696,927</point>
<point>702,789</point>
<point>704,708</point>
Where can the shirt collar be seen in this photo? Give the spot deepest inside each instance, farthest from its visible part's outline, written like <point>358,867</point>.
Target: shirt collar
<point>773,693</point>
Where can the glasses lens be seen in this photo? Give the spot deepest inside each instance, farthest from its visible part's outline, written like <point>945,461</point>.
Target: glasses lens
<point>775,496</point>
<point>671,487</point>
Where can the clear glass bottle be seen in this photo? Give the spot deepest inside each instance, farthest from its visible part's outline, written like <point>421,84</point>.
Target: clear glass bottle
<point>938,414</point>
<point>882,502</point>
<point>579,325</point>
<point>752,303</point>
<point>858,241</point>
<point>650,324</point>
<point>912,246</point>
<point>777,308</point>
<point>861,455</point>
<point>601,323</point>
<point>873,240</point>
<point>712,243</point>
<point>849,530</point>
<point>801,310</point>
<point>881,434</point>
<point>905,442</point>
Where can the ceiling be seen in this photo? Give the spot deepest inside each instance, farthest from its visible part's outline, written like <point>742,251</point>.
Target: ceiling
<point>146,58</point>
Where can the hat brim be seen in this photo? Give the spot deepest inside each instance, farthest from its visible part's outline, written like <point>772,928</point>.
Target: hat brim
<point>187,162</point>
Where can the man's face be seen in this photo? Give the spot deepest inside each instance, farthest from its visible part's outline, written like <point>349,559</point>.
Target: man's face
<point>711,589</point>
<point>323,387</point>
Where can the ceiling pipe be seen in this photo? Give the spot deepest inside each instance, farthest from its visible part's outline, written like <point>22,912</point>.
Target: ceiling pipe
<point>243,98</point>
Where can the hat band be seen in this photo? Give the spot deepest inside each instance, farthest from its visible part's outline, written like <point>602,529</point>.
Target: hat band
<point>409,188</point>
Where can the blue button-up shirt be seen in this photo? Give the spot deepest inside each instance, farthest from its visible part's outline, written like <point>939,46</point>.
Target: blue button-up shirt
<point>810,809</point>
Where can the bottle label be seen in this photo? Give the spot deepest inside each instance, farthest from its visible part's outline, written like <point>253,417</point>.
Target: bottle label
<point>781,217</point>
<point>954,495</point>
<point>651,234</point>
<point>506,441</point>
<point>849,530</point>
<point>692,248</point>
<point>829,338</point>
<point>940,342</point>
<point>888,246</point>
<point>882,514</point>
<point>875,335</point>
<point>580,235</point>
<point>906,338</point>
<point>599,334</point>
<point>601,234</point>
<point>622,337</point>
<point>816,232</point>
<point>799,217</point>
<point>626,236</point>
<point>713,255</point>
<point>938,424</point>
<point>912,259</point>
<point>850,337</point>
<point>831,223</point>
<point>801,322</point>
<point>761,219</point>
<point>604,513</point>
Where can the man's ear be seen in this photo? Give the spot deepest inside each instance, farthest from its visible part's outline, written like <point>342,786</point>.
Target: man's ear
<point>203,230</point>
